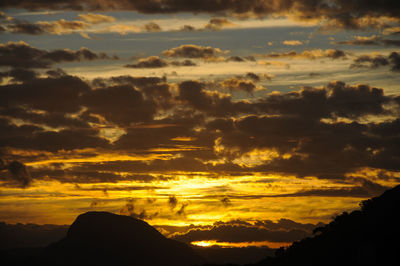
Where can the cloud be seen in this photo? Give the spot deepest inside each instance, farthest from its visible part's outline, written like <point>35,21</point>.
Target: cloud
<point>119,104</point>
<point>362,40</point>
<point>193,51</point>
<point>310,54</point>
<point>218,24</point>
<point>391,42</point>
<point>58,27</point>
<point>375,61</point>
<point>257,78</point>
<point>96,18</point>
<point>293,42</point>
<point>152,27</point>
<point>157,62</point>
<point>186,62</point>
<point>212,102</point>
<point>238,84</point>
<point>226,202</point>
<point>61,94</point>
<point>234,232</point>
<point>129,209</point>
<point>22,55</point>
<point>19,173</point>
<point>240,59</point>
<point>149,62</point>
<point>25,28</point>
<point>19,74</point>
<point>324,132</point>
<point>187,28</point>
<point>172,201</point>
<point>338,14</point>
<point>121,29</point>
<point>371,40</point>
<point>51,27</point>
<point>181,211</point>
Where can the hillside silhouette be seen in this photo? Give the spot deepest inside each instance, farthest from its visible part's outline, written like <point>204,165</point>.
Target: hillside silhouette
<point>102,238</point>
<point>369,236</point>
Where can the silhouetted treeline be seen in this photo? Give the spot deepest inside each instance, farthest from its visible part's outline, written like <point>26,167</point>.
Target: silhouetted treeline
<point>368,236</point>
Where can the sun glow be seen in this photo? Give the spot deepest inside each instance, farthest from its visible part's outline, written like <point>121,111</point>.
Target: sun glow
<point>211,243</point>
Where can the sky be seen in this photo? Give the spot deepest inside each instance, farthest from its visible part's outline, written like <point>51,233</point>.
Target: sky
<point>232,122</point>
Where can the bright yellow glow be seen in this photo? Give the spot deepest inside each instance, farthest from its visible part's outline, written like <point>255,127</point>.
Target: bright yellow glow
<point>183,139</point>
<point>210,243</point>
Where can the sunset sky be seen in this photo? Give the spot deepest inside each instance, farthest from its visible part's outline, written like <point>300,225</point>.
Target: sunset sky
<point>266,116</point>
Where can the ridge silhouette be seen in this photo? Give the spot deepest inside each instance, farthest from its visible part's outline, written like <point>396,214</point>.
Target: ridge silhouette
<point>365,237</point>
<point>102,238</point>
<point>369,237</point>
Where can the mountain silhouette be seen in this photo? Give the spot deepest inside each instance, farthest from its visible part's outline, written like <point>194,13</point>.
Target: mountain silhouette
<point>102,238</point>
<point>365,237</point>
<point>369,236</point>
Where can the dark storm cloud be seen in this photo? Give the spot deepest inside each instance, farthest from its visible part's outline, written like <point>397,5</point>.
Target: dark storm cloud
<point>193,51</point>
<point>22,55</point>
<point>375,61</point>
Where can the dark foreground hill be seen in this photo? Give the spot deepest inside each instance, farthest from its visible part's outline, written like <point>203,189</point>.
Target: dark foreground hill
<point>101,238</point>
<point>369,236</point>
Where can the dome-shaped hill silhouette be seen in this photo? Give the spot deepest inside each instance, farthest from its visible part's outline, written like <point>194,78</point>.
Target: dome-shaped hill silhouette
<point>102,238</point>
<point>369,236</point>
